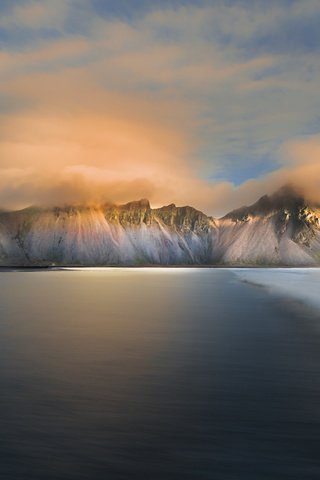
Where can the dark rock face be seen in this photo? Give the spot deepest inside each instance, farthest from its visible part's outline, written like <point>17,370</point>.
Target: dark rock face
<point>278,229</point>
<point>182,219</point>
<point>185,219</point>
<point>133,213</point>
<point>285,199</point>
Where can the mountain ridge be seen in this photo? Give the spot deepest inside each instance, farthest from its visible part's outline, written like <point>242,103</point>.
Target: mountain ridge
<point>281,229</point>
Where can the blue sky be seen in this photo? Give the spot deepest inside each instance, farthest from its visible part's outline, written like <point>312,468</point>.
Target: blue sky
<point>205,95</point>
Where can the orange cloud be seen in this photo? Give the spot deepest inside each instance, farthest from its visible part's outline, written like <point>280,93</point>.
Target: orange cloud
<point>120,113</point>
<point>99,184</point>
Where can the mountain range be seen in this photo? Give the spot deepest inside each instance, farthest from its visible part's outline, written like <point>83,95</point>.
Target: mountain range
<point>281,229</point>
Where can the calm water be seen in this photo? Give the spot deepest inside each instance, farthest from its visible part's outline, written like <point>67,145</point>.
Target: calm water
<point>156,374</point>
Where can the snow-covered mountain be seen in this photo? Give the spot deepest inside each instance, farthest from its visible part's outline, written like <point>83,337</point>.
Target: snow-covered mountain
<point>278,229</point>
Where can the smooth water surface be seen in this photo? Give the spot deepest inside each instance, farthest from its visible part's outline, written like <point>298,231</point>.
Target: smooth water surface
<point>156,374</point>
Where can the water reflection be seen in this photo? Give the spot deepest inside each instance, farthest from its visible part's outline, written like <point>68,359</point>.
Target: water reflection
<point>160,374</point>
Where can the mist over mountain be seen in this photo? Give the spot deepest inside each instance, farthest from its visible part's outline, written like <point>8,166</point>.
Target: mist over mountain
<point>281,229</point>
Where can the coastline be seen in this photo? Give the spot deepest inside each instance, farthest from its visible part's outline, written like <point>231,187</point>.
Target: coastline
<point>30,268</point>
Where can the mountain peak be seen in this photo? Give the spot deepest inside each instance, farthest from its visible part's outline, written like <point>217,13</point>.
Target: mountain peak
<point>278,229</point>
<point>137,204</point>
<point>286,198</point>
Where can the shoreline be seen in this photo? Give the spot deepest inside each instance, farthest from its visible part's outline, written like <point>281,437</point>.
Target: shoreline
<point>28,268</point>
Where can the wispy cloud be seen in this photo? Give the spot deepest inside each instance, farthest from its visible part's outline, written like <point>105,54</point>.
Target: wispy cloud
<point>164,103</point>
<point>35,14</point>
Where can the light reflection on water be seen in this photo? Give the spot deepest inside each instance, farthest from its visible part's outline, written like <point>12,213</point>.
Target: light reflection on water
<point>158,374</point>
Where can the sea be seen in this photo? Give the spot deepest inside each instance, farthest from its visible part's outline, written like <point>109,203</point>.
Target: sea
<point>160,374</point>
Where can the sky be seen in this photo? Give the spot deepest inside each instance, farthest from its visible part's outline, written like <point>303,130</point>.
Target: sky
<point>206,103</point>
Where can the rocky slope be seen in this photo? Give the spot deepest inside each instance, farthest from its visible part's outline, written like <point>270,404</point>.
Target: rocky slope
<point>276,230</point>
<point>131,234</point>
<point>280,229</point>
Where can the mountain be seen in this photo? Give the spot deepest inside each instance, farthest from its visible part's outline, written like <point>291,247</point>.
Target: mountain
<point>132,234</point>
<point>277,230</point>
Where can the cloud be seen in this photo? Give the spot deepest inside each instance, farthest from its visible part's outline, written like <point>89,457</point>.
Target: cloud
<point>159,105</point>
<point>35,14</point>
<point>80,184</point>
